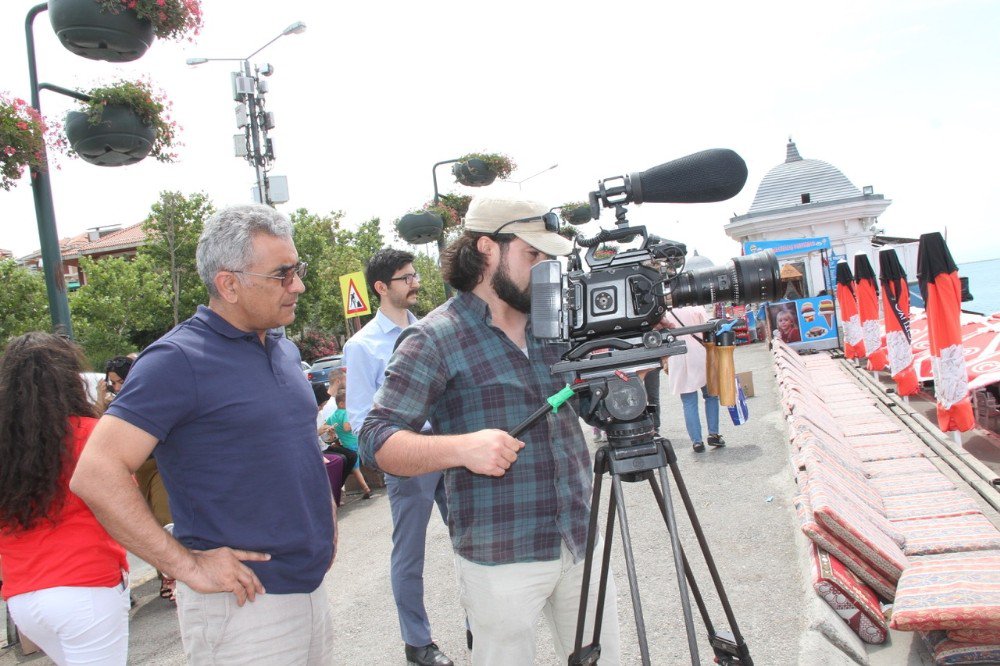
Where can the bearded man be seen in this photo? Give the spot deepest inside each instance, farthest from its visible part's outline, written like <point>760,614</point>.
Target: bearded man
<point>517,508</point>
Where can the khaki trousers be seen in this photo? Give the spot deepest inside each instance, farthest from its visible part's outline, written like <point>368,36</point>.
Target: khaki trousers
<point>272,629</point>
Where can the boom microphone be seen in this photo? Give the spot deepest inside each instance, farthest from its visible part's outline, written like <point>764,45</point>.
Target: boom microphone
<point>711,175</point>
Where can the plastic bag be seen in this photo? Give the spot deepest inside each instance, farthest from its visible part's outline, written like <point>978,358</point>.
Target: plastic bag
<point>740,412</point>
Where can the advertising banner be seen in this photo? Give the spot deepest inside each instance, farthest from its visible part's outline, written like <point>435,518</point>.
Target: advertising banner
<point>788,247</point>
<point>805,323</point>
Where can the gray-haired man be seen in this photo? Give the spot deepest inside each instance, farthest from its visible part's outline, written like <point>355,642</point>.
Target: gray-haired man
<point>226,410</point>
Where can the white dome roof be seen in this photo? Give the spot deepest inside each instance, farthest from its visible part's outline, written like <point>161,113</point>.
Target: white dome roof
<point>786,185</point>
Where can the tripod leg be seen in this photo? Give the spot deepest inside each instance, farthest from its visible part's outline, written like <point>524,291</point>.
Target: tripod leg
<point>741,647</point>
<point>579,655</point>
<point>633,584</point>
<point>675,546</point>
<point>692,581</point>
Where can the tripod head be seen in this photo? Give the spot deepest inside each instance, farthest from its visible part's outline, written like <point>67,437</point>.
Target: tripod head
<point>610,371</point>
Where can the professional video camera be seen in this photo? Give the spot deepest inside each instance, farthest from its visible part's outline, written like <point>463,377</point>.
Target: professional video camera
<point>625,295</point>
<point>609,315</point>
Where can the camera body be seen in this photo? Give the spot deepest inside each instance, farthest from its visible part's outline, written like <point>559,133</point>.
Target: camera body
<point>626,295</point>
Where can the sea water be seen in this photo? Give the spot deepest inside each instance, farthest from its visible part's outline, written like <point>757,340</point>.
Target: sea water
<point>984,285</point>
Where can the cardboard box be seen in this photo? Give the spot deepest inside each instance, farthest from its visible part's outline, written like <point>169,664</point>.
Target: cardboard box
<point>745,380</point>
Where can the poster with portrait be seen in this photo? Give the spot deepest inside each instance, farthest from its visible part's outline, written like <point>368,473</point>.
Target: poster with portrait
<point>805,323</point>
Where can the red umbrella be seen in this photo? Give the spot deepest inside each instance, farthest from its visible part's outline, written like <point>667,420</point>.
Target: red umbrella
<point>871,331</point>
<point>982,356</point>
<point>854,347</point>
<point>938,276</point>
<point>896,306</point>
<point>970,325</point>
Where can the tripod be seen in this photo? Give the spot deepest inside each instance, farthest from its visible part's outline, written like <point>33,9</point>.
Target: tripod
<point>626,460</point>
<point>635,452</point>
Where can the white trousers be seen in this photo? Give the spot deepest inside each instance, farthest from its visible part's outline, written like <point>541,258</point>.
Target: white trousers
<point>503,603</point>
<point>75,625</point>
<point>271,629</point>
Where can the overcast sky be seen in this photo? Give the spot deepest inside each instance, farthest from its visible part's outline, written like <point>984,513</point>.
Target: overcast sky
<point>902,96</point>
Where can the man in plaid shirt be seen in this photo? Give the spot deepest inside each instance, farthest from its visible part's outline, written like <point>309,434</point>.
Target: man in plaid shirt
<point>518,509</point>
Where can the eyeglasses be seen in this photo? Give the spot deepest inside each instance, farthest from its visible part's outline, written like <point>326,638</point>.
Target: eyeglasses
<point>286,276</point>
<point>550,219</point>
<point>408,278</point>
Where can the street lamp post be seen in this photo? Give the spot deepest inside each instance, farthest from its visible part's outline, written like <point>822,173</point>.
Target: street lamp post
<point>249,90</point>
<point>520,182</point>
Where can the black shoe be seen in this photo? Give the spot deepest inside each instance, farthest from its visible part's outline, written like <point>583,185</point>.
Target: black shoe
<point>716,440</point>
<point>698,447</point>
<point>468,639</point>
<point>428,655</point>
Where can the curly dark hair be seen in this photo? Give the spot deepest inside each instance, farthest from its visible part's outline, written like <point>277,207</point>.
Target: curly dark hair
<point>40,388</point>
<point>462,264</point>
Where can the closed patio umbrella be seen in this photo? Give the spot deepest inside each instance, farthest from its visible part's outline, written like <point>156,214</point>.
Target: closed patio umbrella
<point>942,293</point>
<point>896,306</point>
<point>867,293</point>
<point>854,346</point>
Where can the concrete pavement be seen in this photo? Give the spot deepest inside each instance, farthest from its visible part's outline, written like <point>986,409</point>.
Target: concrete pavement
<point>743,497</point>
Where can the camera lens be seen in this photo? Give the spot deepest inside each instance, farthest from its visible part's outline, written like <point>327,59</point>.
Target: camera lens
<point>750,279</point>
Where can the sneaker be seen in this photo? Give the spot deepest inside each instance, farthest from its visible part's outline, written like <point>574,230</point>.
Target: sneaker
<point>428,655</point>
<point>698,447</point>
<point>716,440</point>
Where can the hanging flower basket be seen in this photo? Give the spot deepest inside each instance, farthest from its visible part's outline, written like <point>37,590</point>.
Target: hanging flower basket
<point>120,125</point>
<point>420,227</point>
<point>24,137</point>
<point>479,169</point>
<point>118,139</point>
<point>459,203</point>
<point>88,31</point>
<point>576,212</point>
<point>121,30</point>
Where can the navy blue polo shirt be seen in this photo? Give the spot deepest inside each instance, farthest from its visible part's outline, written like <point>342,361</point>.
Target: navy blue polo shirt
<point>236,424</point>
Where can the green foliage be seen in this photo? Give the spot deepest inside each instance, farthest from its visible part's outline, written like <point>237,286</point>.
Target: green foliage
<point>431,292</point>
<point>22,301</point>
<point>331,251</point>
<point>150,105</point>
<point>122,308</point>
<point>172,230</point>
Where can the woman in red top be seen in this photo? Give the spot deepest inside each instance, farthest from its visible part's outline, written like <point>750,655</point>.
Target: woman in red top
<point>62,574</point>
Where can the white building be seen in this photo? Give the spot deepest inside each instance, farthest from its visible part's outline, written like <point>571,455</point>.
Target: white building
<point>805,198</point>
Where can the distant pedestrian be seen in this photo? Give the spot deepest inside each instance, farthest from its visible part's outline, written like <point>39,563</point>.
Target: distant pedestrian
<point>687,378</point>
<point>63,580</point>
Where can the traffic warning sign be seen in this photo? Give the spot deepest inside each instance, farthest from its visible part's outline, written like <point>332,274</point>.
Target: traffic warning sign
<point>354,294</point>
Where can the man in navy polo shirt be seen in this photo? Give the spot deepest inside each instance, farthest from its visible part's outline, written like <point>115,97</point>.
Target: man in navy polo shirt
<point>224,406</point>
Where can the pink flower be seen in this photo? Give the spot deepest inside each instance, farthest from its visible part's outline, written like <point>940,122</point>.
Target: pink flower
<point>160,3</point>
<point>10,150</point>
<point>21,125</point>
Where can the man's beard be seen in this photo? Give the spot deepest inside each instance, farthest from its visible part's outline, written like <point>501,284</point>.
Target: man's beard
<point>508,291</point>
